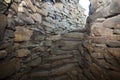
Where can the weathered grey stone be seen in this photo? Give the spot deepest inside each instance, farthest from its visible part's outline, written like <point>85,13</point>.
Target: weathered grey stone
<point>110,8</point>
<point>9,34</point>
<point>37,17</point>
<point>25,19</point>
<point>11,24</point>
<point>116,31</point>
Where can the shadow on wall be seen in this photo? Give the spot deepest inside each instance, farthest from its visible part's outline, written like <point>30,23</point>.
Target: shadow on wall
<point>85,4</point>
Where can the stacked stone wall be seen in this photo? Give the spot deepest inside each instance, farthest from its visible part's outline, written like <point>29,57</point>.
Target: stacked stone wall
<point>50,41</point>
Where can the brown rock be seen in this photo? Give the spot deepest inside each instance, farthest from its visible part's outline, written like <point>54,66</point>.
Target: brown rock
<point>73,36</point>
<point>112,22</point>
<point>22,34</point>
<point>69,45</point>
<point>117,26</point>
<point>114,51</point>
<point>113,37</point>
<point>3,54</point>
<point>97,71</point>
<point>98,40</point>
<point>54,37</point>
<point>101,31</point>
<point>8,68</point>
<point>22,52</point>
<point>114,75</point>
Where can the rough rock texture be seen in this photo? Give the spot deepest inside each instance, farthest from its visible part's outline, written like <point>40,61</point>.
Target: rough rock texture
<point>104,39</point>
<point>104,8</point>
<point>30,35</point>
<point>51,42</point>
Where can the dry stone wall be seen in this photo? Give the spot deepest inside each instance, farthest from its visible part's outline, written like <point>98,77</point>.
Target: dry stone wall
<point>51,43</point>
<point>40,47</point>
<point>104,39</point>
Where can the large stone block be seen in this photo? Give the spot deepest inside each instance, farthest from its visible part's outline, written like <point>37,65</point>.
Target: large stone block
<point>103,8</point>
<point>22,52</point>
<point>101,31</point>
<point>22,34</point>
<point>112,22</point>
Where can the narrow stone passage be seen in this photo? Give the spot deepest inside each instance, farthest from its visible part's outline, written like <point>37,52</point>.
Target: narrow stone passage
<point>50,40</point>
